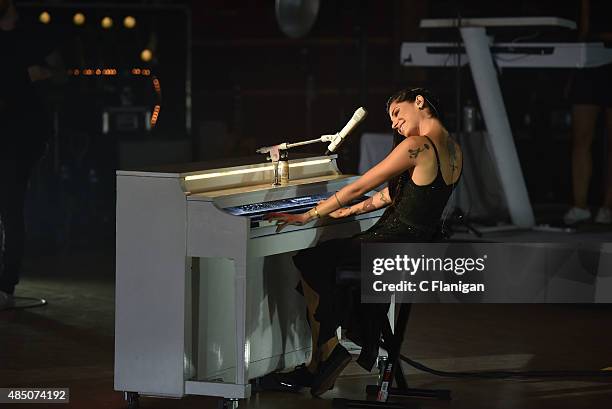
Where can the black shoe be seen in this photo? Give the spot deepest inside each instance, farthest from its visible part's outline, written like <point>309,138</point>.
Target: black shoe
<point>329,370</point>
<point>292,381</point>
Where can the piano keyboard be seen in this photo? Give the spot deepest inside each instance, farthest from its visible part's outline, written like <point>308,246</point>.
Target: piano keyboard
<point>256,211</point>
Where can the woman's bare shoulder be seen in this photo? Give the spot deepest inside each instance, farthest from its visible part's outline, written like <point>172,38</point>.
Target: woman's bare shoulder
<point>415,141</point>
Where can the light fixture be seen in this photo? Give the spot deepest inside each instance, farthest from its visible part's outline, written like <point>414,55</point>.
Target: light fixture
<point>129,22</point>
<point>78,19</point>
<point>90,71</point>
<point>44,17</point>
<point>107,22</point>
<point>146,55</point>
<point>155,115</point>
<point>156,85</point>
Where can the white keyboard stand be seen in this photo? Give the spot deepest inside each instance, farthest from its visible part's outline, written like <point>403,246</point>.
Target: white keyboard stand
<point>477,46</point>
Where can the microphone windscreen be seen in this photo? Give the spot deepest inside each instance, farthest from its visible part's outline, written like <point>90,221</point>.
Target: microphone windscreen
<point>360,114</point>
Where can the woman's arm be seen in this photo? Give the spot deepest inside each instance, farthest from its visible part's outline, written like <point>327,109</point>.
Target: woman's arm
<point>377,201</point>
<point>405,156</point>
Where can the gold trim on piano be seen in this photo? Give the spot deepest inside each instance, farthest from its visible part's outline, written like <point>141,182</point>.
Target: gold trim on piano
<point>254,170</point>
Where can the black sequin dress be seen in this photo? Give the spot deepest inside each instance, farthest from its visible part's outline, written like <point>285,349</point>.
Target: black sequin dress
<point>412,217</point>
<point>415,212</point>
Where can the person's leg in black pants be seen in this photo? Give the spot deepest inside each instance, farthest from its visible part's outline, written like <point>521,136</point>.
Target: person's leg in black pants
<point>317,266</point>
<point>14,176</point>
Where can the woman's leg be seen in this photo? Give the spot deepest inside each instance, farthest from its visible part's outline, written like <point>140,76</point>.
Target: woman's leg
<point>318,266</point>
<point>322,352</point>
<point>318,282</point>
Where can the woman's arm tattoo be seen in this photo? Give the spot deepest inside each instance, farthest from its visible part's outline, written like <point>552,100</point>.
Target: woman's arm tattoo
<point>415,152</point>
<point>368,205</point>
<point>383,198</point>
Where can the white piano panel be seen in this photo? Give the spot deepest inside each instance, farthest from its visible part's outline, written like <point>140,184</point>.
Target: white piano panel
<point>211,232</point>
<point>277,335</point>
<point>215,304</point>
<point>151,350</point>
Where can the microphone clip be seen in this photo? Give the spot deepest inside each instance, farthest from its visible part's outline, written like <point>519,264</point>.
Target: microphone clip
<point>279,155</point>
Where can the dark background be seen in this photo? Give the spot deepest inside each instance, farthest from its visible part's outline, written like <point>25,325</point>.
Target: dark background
<point>252,86</point>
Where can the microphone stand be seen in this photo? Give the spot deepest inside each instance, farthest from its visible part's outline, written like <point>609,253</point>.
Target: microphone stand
<point>279,155</point>
<point>458,215</point>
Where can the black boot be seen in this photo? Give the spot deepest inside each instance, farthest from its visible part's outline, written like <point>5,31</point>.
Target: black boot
<point>292,381</point>
<point>329,370</point>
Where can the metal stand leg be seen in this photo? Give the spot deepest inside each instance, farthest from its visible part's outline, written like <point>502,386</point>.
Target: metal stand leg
<point>498,127</point>
<point>391,369</point>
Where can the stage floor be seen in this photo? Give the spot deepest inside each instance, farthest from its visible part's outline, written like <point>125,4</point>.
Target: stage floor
<point>543,233</point>
<point>70,342</point>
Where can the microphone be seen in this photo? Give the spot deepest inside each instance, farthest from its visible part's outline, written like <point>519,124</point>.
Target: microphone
<point>358,116</point>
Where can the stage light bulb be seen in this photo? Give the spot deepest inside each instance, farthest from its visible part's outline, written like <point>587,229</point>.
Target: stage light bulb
<point>44,17</point>
<point>146,55</point>
<point>129,22</point>
<point>78,19</point>
<point>107,22</point>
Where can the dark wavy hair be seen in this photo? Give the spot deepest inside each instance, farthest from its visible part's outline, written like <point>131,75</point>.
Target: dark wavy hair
<point>408,94</point>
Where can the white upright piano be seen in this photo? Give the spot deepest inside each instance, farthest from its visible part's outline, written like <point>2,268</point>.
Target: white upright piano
<point>205,288</point>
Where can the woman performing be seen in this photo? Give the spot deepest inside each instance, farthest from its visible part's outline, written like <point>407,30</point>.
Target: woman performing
<point>421,171</point>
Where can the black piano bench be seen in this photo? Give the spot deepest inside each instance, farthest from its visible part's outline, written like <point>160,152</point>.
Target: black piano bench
<point>350,276</point>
